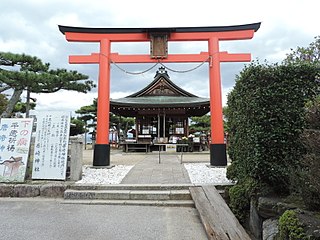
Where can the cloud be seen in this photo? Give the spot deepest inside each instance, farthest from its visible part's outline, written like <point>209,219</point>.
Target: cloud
<point>62,101</point>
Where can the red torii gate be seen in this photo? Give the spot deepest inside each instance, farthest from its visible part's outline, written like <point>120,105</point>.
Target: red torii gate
<point>159,38</point>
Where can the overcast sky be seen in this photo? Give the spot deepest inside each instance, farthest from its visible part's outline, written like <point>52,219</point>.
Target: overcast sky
<point>31,27</point>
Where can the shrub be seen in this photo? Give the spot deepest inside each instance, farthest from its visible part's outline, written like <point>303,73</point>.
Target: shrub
<point>239,202</point>
<point>290,227</point>
<point>240,195</point>
<point>310,181</point>
<point>310,187</point>
<point>313,114</point>
<point>266,115</point>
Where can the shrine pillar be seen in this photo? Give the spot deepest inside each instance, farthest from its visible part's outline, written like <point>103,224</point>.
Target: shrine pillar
<point>218,155</point>
<point>101,156</point>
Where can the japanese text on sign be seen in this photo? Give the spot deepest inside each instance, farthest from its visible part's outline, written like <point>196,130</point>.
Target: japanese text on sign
<point>15,135</point>
<point>51,146</point>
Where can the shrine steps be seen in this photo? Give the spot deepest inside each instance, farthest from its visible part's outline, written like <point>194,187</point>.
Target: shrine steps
<point>143,195</point>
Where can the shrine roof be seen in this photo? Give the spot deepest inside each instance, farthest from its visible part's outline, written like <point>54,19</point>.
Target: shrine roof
<point>162,77</point>
<point>252,26</point>
<point>162,93</point>
<point>160,101</point>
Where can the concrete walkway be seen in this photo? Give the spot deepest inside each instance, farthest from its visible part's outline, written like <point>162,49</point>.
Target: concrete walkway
<point>38,219</point>
<point>150,171</point>
<point>78,221</point>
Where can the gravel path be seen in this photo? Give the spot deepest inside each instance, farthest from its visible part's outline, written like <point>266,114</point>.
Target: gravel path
<point>195,164</point>
<point>104,176</point>
<point>201,173</point>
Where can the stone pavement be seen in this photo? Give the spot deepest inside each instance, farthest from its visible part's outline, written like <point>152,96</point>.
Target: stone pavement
<point>150,171</point>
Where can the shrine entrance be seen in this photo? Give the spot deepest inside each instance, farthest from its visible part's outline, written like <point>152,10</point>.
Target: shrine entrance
<point>159,38</point>
<point>161,111</point>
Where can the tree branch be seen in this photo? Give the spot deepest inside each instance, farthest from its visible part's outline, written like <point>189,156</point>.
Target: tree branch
<point>5,88</point>
<point>12,102</point>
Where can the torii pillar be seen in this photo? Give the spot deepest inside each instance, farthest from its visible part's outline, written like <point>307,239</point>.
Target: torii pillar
<point>159,37</point>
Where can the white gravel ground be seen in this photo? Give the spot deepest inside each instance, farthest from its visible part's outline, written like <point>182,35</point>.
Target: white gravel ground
<point>104,176</point>
<point>200,173</point>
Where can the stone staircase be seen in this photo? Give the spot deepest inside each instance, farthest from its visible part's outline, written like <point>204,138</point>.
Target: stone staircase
<point>172,195</point>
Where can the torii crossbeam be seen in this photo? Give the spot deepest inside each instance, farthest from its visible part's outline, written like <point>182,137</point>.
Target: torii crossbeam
<point>158,37</point>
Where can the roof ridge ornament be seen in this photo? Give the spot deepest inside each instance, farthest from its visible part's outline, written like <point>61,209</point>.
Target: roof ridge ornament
<point>161,71</point>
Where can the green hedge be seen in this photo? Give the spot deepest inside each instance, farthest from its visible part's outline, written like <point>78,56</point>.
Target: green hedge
<point>240,197</point>
<point>290,227</point>
<point>266,115</point>
<point>310,177</point>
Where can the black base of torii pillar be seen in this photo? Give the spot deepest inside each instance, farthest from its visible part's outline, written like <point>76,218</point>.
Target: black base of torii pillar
<point>218,155</point>
<point>101,155</point>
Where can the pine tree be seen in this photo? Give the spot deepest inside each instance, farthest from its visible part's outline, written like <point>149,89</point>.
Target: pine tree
<point>21,72</point>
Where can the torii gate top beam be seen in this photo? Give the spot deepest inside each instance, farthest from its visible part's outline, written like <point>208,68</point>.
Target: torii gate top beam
<point>235,32</point>
<point>252,26</point>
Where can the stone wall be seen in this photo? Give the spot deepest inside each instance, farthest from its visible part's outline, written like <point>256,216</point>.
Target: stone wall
<point>265,213</point>
<point>48,190</point>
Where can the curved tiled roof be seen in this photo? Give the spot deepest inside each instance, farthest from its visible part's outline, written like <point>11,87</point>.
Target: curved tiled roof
<point>161,93</point>
<point>160,101</point>
<point>175,96</point>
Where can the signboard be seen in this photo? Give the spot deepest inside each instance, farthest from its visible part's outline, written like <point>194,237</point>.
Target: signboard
<point>15,136</point>
<point>51,146</point>
<point>171,148</point>
<point>179,130</point>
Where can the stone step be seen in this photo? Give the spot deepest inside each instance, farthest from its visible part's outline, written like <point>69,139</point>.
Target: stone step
<point>130,187</point>
<point>158,195</point>
<point>166,203</point>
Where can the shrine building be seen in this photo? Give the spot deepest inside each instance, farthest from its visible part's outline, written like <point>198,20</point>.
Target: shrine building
<point>161,111</point>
